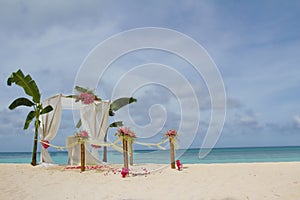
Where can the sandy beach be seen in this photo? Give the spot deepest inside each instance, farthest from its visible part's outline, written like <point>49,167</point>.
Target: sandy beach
<point>195,181</point>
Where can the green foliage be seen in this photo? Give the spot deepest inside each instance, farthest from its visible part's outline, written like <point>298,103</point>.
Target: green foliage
<point>29,119</point>
<point>46,109</point>
<point>72,96</point>
<point>116,124</point>
<point>119,103</point>
<point>26,83</point>
<point>79,123</point>
<point>83,90</point>
<point>20,102</point>
<point>31,89</point>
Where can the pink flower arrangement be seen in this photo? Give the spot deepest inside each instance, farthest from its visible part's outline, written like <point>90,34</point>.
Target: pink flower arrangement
<point>179,165</point>
<point>82,135</point>
<point>124,172</point>
<point>125,131</point>
<point>86,98</point>
<point>171,133</point>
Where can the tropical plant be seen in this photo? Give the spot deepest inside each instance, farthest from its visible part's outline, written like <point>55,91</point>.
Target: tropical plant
<point>31,89</point>
<point>115,106</point>
<point>85,95</point>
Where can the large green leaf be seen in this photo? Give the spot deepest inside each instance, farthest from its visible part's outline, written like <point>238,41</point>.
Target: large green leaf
<point>27,83</point>
<point>116,124</point>
<point>22,101</point>
<point>29,118</point>
<point>119,103</point>
<point>46,109</point>
<point>79,123</point>
<point>72,96</point>
<point>82,89</point>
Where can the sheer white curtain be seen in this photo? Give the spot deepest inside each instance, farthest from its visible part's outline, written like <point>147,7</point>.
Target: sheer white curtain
<point>50,123</point>
<point>94,118</point>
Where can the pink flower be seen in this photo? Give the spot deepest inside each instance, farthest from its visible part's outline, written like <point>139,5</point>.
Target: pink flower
<point>179,165</point>
<point>131,134</point>
<point>124,172</point>
<point>86,98</point>
<point>125,131</point>
<point>83,134</point>
<point>171,133</point>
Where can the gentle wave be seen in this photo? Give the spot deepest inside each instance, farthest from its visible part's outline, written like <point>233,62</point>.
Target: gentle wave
<point>190,156</point>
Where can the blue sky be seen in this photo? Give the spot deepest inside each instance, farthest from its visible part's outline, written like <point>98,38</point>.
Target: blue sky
<point>254,44</point>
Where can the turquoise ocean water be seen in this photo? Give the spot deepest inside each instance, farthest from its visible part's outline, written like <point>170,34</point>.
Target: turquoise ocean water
<point>190,156</point>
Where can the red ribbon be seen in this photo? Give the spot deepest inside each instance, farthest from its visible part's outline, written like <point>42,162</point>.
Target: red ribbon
<point>45,143</point>
<point>95,146</point>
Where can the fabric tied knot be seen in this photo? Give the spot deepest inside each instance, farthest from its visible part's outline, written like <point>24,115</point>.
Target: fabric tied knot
<point>45,144</point>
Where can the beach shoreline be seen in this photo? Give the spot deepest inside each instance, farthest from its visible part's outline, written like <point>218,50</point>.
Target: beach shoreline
<point>234,181</point>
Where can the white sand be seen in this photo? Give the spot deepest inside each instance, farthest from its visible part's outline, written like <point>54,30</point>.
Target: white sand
<point>255,181</point>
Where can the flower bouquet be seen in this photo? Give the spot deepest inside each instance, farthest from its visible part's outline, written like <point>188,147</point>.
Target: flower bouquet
<point>82,136</point>
<point>86,96</point>
<point>172,135</point>
<point>125,133</point>
<point>127,136</point>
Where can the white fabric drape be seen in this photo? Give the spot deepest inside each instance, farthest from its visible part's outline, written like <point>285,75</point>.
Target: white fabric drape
<point>94,118</point>
<point>49,124</point>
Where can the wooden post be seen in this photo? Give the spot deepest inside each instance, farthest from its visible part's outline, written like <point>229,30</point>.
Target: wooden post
<point>105,149</point>
<point>130,153</point>
<point>82,157</point>
<point>125,153</point>
<point>172,154</point>
<point>105,154</point>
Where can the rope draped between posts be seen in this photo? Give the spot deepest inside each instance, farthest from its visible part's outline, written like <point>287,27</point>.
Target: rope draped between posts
<point>59,147</point>
<point>158,145</point>
<point>126,140</point>
<point>114,144</point>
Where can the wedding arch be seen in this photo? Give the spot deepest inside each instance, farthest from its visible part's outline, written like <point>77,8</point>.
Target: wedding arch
<point>94,119</point>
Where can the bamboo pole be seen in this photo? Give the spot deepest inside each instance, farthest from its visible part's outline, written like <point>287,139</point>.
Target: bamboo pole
<point>172,154</point>
<point>130,153</point>
<point>125,153</point>
<point>105,149</point>
<point>82,157</point>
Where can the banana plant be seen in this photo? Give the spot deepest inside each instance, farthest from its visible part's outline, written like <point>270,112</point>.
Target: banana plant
<point>31,89</point>
<point>114,106</point>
